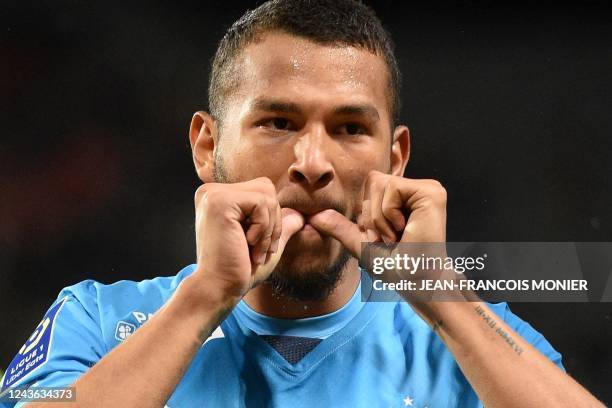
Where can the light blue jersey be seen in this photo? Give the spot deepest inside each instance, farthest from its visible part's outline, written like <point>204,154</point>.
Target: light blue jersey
<point>367,354</point>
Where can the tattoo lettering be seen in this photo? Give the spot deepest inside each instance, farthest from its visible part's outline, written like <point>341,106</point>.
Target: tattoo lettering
<point>490,321</point>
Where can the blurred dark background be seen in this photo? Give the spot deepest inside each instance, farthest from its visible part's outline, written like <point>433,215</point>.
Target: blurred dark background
<point>509,106</point>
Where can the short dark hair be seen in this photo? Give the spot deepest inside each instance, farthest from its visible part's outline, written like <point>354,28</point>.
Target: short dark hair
<point>327,22</point>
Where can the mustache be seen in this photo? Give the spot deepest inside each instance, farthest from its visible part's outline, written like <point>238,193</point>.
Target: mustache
<point>313,205</point>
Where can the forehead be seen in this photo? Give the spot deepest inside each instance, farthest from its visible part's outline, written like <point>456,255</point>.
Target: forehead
<point>289,67</point>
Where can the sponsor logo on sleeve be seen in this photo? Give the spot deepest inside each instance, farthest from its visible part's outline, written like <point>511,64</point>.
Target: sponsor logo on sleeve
<point>35,352</point>
<point>129,323</point>
<point>124,330</point>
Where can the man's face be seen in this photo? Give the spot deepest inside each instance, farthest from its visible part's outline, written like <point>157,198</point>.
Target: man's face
<point>315,120</point>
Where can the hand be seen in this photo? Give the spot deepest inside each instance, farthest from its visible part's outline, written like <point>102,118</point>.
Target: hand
<point>241,233</point>
<point>393,207</point>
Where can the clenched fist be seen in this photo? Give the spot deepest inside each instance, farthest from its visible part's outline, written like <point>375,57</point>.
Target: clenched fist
<point>394,209</point>
<point>241,232</point>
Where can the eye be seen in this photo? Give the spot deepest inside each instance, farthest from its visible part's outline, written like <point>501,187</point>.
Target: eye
<point>353,129</point>
<point>280,123</point>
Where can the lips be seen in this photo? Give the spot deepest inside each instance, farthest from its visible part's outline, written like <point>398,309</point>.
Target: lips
<point>310,205</point>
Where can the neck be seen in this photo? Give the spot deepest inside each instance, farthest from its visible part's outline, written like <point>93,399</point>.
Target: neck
<point>264,301</point>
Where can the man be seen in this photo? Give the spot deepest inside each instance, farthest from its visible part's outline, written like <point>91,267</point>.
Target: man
<point>302,161</point>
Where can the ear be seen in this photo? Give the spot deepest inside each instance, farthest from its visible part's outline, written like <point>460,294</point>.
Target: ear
<point>203,139</point>
<point>400,150</point>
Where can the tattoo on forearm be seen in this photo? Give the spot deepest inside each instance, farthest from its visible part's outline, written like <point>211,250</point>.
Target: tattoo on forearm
<point>490,321</point>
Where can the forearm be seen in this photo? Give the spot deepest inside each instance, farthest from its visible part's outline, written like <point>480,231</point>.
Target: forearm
<point>145,369</point>
<point>503,368</point>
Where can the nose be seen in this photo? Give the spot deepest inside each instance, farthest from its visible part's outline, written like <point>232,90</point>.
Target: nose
<point>312,167</point>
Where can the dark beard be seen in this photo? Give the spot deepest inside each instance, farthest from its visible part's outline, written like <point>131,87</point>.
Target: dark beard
<point>308,286</point>
<point>313,285</point>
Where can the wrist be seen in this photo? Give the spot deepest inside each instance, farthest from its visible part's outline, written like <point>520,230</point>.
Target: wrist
<point>201,294</point>
<point>202,304</point>
<point>447,318</point>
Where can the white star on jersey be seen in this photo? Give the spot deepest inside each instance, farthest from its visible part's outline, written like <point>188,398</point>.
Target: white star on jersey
<point>408,401</point>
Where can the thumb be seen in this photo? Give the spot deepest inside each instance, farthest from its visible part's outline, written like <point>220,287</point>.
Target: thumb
<point>336,225</point>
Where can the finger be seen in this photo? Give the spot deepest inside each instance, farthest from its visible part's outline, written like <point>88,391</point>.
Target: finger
<point>366,212</point>
<point>418,197</point>
<point>278,227</point>
<point>263,185</point>
<point>409,193</point>
<point>259,217</point>
<point>292,222</point>
<point>360,223</point>
<point>275,229</point>
<point>199,193</point>
<point>392,207</point>
<point>262,248</point>
<point>382,225</point>
<point>368,224</point>
<point>336,225</point>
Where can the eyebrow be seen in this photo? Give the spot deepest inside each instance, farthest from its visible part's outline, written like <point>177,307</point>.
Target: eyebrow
<point>272,105</point>
<point>358,110</point>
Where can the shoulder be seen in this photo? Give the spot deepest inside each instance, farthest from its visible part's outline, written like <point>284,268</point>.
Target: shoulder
<point>85,322</point>
<point>159,286</point>
<point>125,293</point>
<point>118,309</point>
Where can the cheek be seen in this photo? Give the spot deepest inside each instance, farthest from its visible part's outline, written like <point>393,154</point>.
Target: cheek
<point>355,165</point>
<point>357,162</point>
<point>253,160</point>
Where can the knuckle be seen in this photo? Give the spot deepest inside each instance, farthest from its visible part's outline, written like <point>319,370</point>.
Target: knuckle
<point>384,225</point>
<point>200,193</point>
<point>388,211</point>
<point>214,200</point>
<point>443,193</point>
<point>439,192</point>
<point>266,239</point>
<point>395,182</point>
<point>438,195</point>
<point>271,202</point>
<point>374,173</point>
<point>380,223</point>
<point>262,200</point>
<point>262,213</point>
<point>266,185</point>
<point>214,195</point>
<point>375,178</point>
<point>434,183</point>
<point>380,183</point>
<point>434,189</point>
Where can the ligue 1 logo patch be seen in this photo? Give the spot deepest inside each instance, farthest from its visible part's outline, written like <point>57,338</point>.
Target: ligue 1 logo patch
<point>35,352</point>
